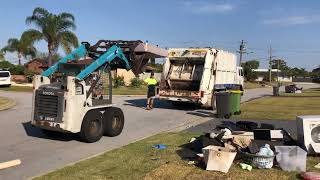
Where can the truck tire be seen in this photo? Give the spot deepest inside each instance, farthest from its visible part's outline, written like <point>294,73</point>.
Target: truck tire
<point>92,127</point>
<point>113,121</point>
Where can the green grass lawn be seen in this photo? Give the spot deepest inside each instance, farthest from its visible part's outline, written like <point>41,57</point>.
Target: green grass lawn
<point>17,88</point>
<point>116,91</point>
<point>285,107</point>
<point>6,103</point>
<point>252,85</point>
<point>130,91</point>
<point>136,161</point>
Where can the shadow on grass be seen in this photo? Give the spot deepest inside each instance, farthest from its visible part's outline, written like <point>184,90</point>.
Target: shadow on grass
<point>142,103</point>
<point>38,133</point>
<point>187,152</point>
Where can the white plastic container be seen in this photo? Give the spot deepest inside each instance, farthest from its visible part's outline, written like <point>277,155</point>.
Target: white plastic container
<point>291,158</point>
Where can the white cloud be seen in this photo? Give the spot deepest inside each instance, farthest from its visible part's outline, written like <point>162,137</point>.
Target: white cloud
<point>208,7</point>
<point>293,20</point>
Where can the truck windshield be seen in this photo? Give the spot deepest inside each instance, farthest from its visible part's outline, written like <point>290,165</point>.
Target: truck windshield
<point>4,74</point>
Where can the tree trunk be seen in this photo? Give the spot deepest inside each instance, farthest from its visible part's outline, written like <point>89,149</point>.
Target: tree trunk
<point>19,58</point>
<point>49,55</point>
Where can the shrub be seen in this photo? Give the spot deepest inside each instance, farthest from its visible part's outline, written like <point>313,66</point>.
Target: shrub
<point>118,81</point>
<point>136,82</point>
<point>14,69</point>
<point>29,75</point>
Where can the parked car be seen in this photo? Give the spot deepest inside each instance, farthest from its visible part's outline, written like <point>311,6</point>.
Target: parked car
<point>5,78</point>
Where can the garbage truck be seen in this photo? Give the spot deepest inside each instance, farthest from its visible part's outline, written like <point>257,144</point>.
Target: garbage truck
<point>76,97</point>
<point>194,75</point>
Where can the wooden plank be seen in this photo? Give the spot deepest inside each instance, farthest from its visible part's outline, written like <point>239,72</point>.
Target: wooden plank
<point>10,164</point>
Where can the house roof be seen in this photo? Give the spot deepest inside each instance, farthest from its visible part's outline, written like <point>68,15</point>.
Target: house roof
<point>43,62</point>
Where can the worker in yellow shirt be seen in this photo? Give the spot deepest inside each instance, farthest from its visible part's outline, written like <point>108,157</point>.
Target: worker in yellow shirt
<point>151,82</point>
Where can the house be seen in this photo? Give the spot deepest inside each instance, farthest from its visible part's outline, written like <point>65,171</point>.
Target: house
<point>263,73</point>
<point>37,65</point>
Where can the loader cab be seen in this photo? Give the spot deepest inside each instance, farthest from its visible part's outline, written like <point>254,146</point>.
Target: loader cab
<point>100,83</point>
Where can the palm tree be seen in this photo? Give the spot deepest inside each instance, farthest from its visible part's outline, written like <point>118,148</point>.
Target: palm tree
<point>55,29</point>
<point>23,48</point>
<point>1,56</point>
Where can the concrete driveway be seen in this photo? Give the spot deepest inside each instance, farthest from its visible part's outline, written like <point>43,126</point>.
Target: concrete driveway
<point>40,154</point>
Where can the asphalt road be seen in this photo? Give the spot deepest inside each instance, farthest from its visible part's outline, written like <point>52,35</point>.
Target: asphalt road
<point>40,154</point>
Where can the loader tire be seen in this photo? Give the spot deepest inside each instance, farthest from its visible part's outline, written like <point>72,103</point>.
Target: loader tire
<point>113,121</point>
<point>92,127</point>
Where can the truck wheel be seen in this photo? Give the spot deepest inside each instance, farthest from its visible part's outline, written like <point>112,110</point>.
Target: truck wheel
<point>113,121</point>
<point>92,126</point>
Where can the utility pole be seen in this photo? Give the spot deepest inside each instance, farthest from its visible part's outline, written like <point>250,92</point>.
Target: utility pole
<point>278,66</point>
<point>241,50</point>
<point>270,64</point>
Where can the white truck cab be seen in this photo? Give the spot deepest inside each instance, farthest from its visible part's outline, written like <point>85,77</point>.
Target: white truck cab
<point>5,78</point>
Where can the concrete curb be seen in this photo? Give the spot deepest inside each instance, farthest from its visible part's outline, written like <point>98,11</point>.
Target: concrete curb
<point>11,103</point>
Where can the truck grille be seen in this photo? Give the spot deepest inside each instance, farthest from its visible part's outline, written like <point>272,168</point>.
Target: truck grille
<point>47,105</point>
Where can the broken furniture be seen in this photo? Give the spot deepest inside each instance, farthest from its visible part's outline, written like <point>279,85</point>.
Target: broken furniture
<point>218,158</point>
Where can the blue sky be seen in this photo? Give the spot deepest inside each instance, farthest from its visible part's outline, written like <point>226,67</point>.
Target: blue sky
<point>291,27</point>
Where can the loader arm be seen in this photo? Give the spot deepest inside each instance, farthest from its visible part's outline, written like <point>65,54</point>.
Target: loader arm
<point>112,53</point>
<point>80,52</point>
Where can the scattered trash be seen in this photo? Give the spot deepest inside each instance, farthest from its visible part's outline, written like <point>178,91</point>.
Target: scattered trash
<point>159,146</point>
<point>317,166</point>
<point>218,158</point>
<point>246,166</point>
<point>310,175</point>
<point>155,159</point>
<point>255,147</point>
<point>258,161</point>
<point>192,139</point>
<point>291,158</point>
<point>265,151</point>
<point>8,164</point>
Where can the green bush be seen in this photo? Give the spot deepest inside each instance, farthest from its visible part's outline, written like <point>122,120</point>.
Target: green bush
<point>136,82</point>
<point>118,81</point>
<point>29,75</point>
<point>14,69</point>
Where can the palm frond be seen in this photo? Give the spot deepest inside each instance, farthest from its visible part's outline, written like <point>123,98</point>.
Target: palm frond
<point>30,36</point>
<point>12,45</point>
<point>68,40</point>
<point>67,16</point>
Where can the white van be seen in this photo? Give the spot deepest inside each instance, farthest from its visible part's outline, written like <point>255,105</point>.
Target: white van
<point>5,78</point>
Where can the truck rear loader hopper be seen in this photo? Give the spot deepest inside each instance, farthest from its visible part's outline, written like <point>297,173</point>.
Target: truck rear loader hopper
<point>195,74</point>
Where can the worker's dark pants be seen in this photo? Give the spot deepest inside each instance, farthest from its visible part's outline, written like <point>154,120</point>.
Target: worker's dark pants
<point>150,97</point>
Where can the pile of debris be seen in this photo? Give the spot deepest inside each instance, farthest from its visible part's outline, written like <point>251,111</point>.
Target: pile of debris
<point>250,146</point>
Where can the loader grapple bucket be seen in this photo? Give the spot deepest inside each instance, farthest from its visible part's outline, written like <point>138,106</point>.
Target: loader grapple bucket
<point>137,52</point>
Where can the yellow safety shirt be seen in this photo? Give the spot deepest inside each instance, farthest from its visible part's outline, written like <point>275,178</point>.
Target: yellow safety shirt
<point>151,81</point>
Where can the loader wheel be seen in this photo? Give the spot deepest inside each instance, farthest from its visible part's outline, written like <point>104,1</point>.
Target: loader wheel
<point>113,121</point>
<point>92,126</point>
